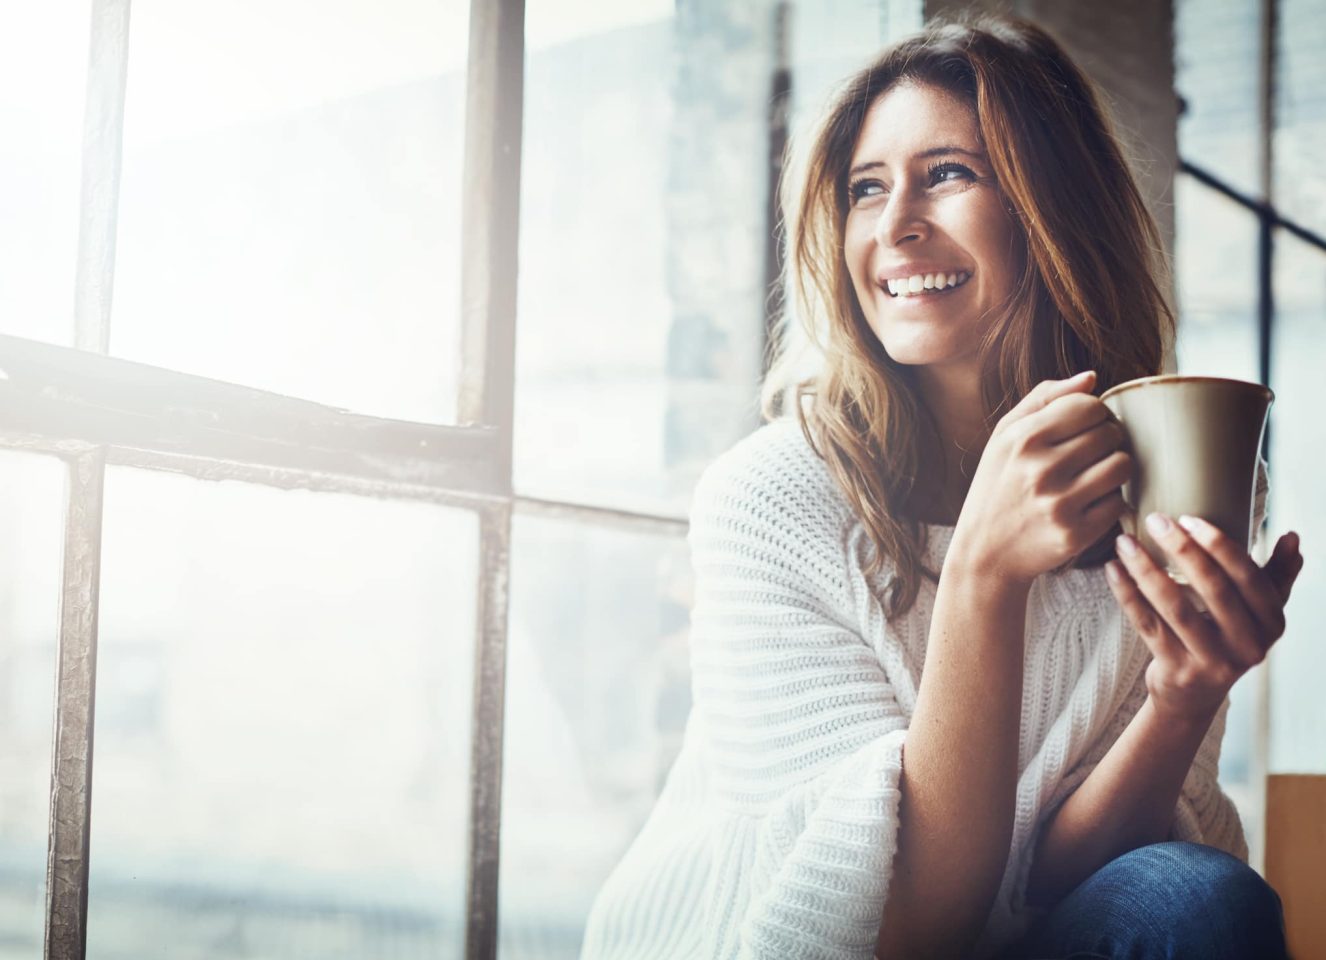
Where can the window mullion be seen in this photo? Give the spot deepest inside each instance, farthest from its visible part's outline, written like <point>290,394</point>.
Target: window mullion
<point>494,104</point>
<point>71,766</point>
<point>494,93</point>
<point>68,847</point>
<point>103,136</point>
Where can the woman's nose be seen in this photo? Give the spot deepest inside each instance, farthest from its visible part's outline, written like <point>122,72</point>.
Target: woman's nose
<point>901,220</point>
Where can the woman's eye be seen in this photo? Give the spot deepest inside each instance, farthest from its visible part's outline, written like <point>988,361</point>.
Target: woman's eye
<point>940,173</point>
<point>864,188</point>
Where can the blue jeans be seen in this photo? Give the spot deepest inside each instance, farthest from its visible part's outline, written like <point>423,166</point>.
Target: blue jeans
<point>1167,901</point>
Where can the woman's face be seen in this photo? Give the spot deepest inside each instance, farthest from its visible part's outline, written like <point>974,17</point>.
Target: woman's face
<point>930,248</point>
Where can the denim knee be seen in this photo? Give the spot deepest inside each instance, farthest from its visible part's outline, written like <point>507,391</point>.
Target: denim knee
<point>1167,900</point>
<point>1226,884</point>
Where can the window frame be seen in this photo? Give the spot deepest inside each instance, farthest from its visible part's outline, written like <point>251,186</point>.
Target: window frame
<point>92,410</point>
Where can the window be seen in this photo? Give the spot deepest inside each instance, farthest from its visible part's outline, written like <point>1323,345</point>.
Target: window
<point>350,472</point>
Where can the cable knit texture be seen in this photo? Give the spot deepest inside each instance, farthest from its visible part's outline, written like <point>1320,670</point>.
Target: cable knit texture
<point>774,835</point>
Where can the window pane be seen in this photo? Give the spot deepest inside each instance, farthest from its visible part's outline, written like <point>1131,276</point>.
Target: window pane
<point>1300,112</point>
<point>1298,660</point>
<point>1217,283</point>
<point>283,718</point>
<point>43,72</point>
<point>644,198</point>
<point>32,534</point>
<point>1216,56</point>
<point>598,691</point>
<point>290,203</point>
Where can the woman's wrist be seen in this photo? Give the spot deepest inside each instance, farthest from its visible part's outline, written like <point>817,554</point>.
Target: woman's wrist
<point>1182,718</point>
<point>967,559</point>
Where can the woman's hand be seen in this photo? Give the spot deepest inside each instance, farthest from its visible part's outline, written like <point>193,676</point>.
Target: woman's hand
<point>1048,485</point>
<point>1198,656</point>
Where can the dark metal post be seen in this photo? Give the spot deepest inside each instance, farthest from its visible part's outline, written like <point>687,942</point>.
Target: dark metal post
<point>69,841</point>
<point>71,773</point>
<point>490,235</point>
<point>780,106</point>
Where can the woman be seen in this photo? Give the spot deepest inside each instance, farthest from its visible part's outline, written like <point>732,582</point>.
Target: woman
<point>930,720</point>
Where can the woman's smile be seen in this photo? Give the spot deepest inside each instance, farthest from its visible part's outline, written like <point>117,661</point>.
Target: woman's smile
<point>919,286</point>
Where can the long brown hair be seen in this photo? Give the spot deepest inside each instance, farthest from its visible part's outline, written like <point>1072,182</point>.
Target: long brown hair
<point>1091,294</point>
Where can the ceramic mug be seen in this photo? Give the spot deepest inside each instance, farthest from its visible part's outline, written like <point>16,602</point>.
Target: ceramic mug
<point>1195,443</point>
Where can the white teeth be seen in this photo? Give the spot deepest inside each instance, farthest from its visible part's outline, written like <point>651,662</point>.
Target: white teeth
<point>917,283</point>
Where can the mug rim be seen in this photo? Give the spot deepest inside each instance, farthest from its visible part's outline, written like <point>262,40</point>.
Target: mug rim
<point>1260,388</point>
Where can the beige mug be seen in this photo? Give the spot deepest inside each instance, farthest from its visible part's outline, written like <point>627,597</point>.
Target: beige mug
<point>1195,443</point>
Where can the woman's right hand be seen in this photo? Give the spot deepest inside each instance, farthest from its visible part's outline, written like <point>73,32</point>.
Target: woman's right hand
<point>1048,484</point>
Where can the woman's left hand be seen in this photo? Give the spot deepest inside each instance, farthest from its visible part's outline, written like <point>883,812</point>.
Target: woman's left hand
<point>1198,656</point>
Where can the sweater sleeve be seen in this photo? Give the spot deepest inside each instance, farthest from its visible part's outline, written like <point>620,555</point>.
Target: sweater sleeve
<point>802,730</point>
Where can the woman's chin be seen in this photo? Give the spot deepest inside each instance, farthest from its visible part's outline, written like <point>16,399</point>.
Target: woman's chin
<point>914,354</point>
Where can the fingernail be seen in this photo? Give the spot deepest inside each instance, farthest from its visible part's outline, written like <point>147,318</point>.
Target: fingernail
<point>1127,546</point>
<point>1192,524</point>
<point>1080,376</point>
<point>1112,572</point>
<point>1158,524</point>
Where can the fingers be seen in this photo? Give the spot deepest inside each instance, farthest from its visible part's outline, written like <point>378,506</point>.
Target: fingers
<point>1102,478</point>
<point>1091,445</point>
<point>1103,514</point>
<point>1064,418</point>
<point>1157,636</point>
<point>1194,631</point>
<point>1284,566</point>
<point>1263,594</point>
<point>1047,391</point>
<point>1235,591</point>
<point>1097,522</point>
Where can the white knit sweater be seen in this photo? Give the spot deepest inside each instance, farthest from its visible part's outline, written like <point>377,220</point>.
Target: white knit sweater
<point>774,834</point>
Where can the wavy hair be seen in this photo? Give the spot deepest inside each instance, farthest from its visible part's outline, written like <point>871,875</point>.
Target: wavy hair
<point>1091,293</point>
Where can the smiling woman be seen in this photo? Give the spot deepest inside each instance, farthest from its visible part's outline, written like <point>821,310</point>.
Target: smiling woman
<point>927,721</point>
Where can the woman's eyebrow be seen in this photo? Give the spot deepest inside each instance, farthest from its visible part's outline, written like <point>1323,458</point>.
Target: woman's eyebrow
<point>924,154</point>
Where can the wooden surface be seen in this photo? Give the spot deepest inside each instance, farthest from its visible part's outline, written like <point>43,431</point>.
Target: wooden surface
<point>1296,858</point>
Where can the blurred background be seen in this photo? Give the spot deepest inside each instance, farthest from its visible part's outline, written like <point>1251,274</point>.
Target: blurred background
<point>286,690</point>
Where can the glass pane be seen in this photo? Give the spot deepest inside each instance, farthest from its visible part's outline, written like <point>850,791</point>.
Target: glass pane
<point>642,257</point>
<point>1300,112</point>
<point>1216,275</point>
<point>823,53</point>
<point>32,532</point>
<point>290,203</point>
<point>1298,460</point>
<point>1216,54</point>
<point>43,73</point>
<point>283,720</point>
<point>598,691</point>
